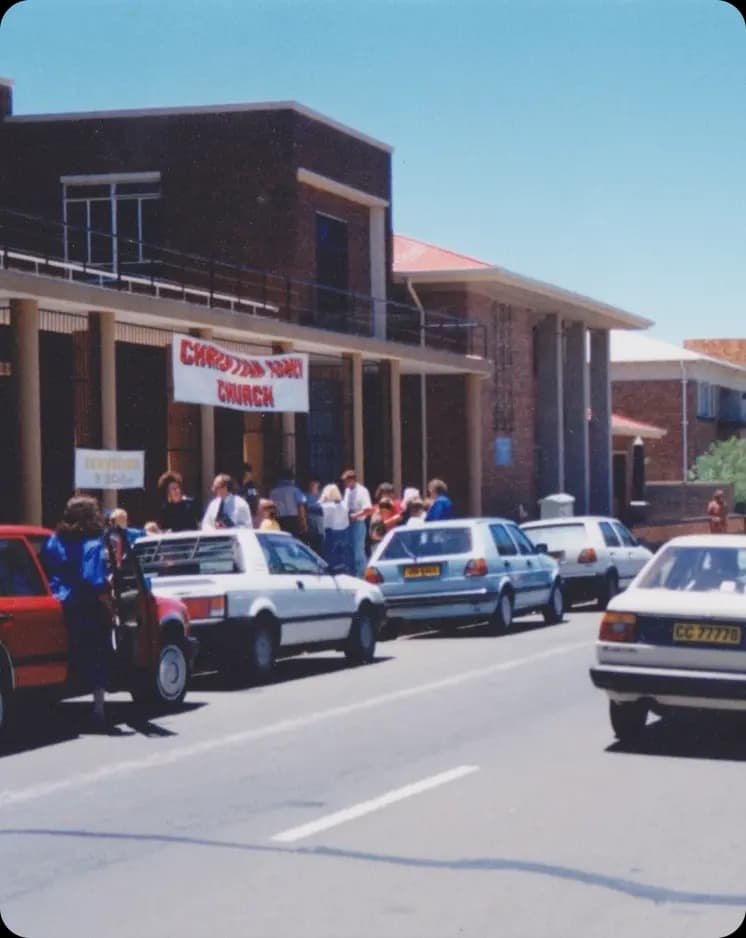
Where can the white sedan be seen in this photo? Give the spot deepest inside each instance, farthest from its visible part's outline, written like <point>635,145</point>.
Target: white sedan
<point>252,595</point>
<point>676,639</point>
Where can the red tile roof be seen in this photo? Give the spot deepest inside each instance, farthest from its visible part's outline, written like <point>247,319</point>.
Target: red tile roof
<point>626,426</point>
<point>411,255</point>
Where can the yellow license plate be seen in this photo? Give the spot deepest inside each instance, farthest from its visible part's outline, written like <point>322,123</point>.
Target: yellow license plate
<point>422,570</point>
<point>711,634</point>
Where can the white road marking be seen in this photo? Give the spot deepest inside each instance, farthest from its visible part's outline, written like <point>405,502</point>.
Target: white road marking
<point>168,757</point>
<point>375,804</point>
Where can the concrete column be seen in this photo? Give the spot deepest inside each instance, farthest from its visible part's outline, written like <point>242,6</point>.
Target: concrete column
<point>24,324</point>
<point>549,406</point>
<point>575,394</point>
<point>207,439</point>
<point>377,237</point>
<point>474,442</point>
<point>102,325</point>
<point>396,441</point>
<point>358,439</point>
<point>600,425</point>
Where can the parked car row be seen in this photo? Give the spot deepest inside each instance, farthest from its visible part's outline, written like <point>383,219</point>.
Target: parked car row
<point>236,600</point>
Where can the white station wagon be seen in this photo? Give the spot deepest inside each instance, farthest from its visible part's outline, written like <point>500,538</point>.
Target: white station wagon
<point>253,595</point>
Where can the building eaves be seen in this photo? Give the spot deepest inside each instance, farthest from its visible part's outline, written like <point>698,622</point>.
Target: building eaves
<point>240,107</point>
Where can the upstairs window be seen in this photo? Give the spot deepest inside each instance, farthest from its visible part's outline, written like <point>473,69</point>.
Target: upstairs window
<point>124,208</point>
<point>707,400</point>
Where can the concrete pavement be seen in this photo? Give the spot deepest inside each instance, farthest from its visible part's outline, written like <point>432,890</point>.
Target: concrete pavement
<point>461,785</point>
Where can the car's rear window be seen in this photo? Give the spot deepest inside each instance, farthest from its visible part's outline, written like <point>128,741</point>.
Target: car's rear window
<point>187,556</point>
<point>427,541</point>
<point>567,537</point>
<point>697,569</point>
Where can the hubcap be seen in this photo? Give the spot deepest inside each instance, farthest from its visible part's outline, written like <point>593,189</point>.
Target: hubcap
<point>172,672</point>
<point>558,602</point>
<point>263,649</point>
<point>366,632</point>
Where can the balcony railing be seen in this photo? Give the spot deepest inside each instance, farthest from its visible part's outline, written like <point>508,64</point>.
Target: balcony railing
<point>31,243</point>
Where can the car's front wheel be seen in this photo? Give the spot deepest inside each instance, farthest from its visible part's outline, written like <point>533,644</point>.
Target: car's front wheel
<point>554,610</point>
<point>502,618</point>
<point>627,719</point>
<point>5,704</point>
<point>361,642</point>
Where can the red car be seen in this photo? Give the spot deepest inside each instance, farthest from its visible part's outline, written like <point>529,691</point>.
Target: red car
<point>152,648</point>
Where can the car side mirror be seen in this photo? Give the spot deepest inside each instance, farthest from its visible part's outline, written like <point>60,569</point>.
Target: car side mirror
<point>324,567</point>
<point>542,549</point>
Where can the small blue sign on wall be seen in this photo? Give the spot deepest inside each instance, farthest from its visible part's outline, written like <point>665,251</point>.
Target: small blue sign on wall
<point>503,451</point>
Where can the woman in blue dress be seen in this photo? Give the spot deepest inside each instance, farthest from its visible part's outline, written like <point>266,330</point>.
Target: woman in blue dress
<point>74,558</point>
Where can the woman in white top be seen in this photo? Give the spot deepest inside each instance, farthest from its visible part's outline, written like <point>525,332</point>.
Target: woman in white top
<point>337,546</point>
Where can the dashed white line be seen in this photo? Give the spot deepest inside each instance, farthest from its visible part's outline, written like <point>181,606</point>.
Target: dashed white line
<point>169,756</point>
<point>374,804</point>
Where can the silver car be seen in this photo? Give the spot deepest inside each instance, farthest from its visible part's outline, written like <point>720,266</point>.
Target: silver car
<point>598,556</point>
<point>460,572</point>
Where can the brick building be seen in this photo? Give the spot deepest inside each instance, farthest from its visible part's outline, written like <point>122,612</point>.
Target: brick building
<point>696,398</point>
<point>545,407</point>
<point>268,227</point>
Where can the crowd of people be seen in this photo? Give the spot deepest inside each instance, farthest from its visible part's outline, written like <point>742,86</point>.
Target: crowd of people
<point>339,520</point>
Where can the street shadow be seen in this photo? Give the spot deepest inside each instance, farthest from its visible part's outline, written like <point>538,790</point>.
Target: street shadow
<point>297,668</point>
<point>629,887</point>
<point>690,736</point>
<point>38,725</point>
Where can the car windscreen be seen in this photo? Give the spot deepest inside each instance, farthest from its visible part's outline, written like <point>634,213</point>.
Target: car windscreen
<point>187,556</point>
<point>559,537</point>
<point>697,569</point>
<point>410,543</point>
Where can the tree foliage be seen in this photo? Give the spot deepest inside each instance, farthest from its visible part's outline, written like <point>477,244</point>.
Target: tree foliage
<point>724,461</point>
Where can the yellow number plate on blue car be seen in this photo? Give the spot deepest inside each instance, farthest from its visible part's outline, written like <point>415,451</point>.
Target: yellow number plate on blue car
<point>711,634</point>
<point>422,570</point>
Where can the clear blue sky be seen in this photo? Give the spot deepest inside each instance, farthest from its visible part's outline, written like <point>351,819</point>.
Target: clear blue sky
<point>596,144</point>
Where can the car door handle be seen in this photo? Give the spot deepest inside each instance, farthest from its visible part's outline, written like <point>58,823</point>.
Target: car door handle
<point>5,617</point>
<point>529,563</point>
<point>300,584</point>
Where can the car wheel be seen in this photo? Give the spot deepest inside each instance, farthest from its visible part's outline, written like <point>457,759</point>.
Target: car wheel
<point>609,589</point>
<point>361,642</point>
<point>554,610</point>
<point>502,618</point>
<point>261,651</point>
<point>627,719</point>
<point>167,684</point>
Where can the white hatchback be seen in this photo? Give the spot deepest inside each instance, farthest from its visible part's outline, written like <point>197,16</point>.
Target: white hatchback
<point>598,556</point>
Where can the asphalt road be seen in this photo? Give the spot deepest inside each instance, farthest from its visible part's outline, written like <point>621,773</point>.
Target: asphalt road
<point>459,786</point>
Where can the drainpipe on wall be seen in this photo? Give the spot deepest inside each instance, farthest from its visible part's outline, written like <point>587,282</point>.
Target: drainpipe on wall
<point>423,385</point>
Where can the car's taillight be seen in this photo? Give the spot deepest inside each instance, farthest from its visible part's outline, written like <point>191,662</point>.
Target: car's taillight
<point>618,627</point>
<point>588,555</point>
<point>372,575</point>
<point>476,567</point>
<point>206,607</point>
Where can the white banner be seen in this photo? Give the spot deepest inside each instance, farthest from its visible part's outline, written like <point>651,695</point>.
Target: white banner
<point>109,469</point>
<point>206,373</point>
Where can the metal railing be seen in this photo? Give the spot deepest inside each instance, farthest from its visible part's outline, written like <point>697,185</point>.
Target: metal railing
<point>32,243</point>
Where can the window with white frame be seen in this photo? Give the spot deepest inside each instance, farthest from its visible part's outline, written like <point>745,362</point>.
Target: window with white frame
<point>707,400</point>
<point>111,218</point>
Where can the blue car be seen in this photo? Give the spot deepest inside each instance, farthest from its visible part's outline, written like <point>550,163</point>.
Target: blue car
<point>461,572</point>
